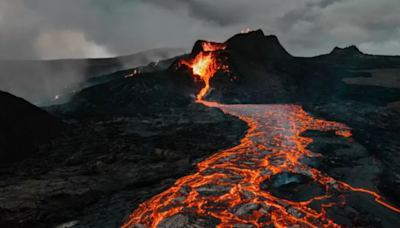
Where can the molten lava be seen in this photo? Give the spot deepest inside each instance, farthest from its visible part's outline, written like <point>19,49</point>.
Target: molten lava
<point>208,46</point>
<point>206,64</point>
<point>131,75</point>
<point>227,185</point>
<point>205,67</point>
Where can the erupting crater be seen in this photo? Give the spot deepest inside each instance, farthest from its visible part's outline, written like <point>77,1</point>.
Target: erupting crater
<point>206,64</point>
<point>229,189</point>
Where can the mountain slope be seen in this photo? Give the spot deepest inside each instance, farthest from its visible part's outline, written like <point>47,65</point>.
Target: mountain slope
<point>39,81</point>
<point>22,126</point>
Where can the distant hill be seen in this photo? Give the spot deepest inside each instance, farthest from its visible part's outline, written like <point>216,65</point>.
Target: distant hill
<point>22,126</point>
<point>38,81</point>
<point>352,58</point>
<point>350,51</point>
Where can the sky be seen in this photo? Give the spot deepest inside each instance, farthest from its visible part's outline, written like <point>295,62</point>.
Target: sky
<point>53,29</point>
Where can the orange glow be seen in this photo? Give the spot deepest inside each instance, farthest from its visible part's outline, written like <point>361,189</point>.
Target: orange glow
<point>346,134</point>
<point>378,198</point>
<point>208,46</point>
<point>206,64</point>
<point>272,145</point>
<point>245,31</point>
<point>131,75</point>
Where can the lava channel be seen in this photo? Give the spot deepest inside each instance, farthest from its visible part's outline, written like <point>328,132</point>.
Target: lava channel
<point>227,184</point>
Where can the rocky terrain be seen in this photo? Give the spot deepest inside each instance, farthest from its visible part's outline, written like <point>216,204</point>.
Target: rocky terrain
<point>99,171</point>
<point>127,139</point>
<point>376,128</point>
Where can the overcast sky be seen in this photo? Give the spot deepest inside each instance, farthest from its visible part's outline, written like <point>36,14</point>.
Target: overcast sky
<point>47,29</point>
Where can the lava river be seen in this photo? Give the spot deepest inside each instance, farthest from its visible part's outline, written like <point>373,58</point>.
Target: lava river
<point>227,188</point>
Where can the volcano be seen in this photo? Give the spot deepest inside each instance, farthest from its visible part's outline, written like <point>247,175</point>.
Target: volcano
<point>234,134</point>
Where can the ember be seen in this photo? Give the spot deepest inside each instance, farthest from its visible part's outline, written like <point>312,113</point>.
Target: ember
<point>131,75</point>
<point>245,31</point>
<point>208,46</point>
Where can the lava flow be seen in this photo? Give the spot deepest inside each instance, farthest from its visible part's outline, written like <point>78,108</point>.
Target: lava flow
<point>131,75</point>
<point>206,64</point>
<point>227,187</point>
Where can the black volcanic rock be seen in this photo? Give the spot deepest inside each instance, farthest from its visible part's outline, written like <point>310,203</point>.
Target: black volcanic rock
<point>150,68</point>
<point>142,93</point>
<point>103,169</point>
<point>22,125</point>
<point>255,45</point>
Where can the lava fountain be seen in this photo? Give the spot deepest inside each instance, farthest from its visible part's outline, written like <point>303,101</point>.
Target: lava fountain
<point>206,64</point>
<point>227,188</point>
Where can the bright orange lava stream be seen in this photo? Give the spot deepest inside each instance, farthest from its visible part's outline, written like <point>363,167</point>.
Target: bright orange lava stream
<point>131,75</point>
<point>206,64</point>
<point>232,177</point>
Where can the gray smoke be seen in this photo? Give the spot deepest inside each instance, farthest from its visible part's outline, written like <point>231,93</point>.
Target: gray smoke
<point>81,28</point>
<point>41,82</point>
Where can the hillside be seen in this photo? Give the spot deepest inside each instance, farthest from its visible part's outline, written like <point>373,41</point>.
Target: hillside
<point>23,126</point>
<point>40,81</point>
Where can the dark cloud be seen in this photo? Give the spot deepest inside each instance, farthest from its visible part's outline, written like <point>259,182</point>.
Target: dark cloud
<point>205,11</point>
<point>81,28</point>
<point>325,3</point>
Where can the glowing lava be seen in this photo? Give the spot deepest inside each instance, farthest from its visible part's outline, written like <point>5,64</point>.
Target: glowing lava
<point>245,31</point>
<point>206,64</point>
<point>227,184</point>
<point>208,46</point>
<point>131,75</point>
